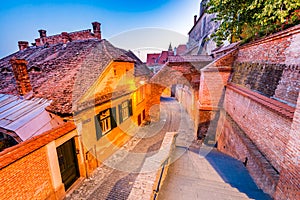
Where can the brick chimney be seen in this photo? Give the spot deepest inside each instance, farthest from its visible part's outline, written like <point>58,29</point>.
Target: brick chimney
<point>19,67</point>
<point>195,19</point>
<point>23,45</point>
<point>65,37</point>
<point>96,29</point>
<point>42,33</point>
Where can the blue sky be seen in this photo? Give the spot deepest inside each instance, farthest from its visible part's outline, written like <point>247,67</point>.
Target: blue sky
<point>21,20</point>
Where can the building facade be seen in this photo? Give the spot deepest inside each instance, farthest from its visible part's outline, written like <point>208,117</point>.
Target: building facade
<point>65,80</point>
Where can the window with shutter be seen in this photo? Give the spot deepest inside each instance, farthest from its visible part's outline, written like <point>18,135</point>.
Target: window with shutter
<point>130,107</point>
<point>125,110</point>
<point>113,118</point>
<point>98,127</point>
<point>105,121</point>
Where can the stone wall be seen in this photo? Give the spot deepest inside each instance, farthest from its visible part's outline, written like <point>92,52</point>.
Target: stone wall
<point>154,171</point>
<point>201,30</point>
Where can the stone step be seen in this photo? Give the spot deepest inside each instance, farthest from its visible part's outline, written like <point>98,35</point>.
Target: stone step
<point>210,189</point>
<point>202,183</point>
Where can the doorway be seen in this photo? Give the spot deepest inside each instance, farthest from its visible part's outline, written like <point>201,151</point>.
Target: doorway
<point>68,164</point>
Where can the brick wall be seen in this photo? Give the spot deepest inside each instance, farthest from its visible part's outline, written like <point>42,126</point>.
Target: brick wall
<point>272,80</point>
<point>268,130</point>
<point>271,65</point>
<point>27,178</point>
<point>289,182</point>
<point>234,142</point>
<point>280,48</point>
<point>211,89</point>
<point>78,35</point>
<point>27,171</point>
<point>259,121</point>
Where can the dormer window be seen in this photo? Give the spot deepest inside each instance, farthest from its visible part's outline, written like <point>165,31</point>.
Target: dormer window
<point>34,69</point>
<point>5,70</point>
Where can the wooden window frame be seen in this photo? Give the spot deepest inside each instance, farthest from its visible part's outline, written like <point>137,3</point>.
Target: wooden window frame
<point>104,124</point>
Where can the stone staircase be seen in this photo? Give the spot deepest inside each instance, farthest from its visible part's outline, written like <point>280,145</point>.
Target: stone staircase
<point>213,176</point>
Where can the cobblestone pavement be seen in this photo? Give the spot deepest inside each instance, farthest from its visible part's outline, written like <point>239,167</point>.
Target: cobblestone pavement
<point>115,179</point>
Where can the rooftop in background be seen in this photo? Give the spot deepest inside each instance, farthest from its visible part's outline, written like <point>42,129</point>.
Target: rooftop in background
<point>63,68</point>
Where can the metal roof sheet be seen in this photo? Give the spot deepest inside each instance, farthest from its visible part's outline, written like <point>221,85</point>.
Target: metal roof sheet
<point>16,112</point>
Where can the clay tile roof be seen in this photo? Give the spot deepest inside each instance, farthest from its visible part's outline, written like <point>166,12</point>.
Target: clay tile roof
<point>152,58</point>
<point>65,72</point>
<point>189,58</point>
<point>163,57</point>
<point>181,49</point>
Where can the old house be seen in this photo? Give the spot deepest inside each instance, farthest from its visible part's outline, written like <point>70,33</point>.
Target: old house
<point>66,79</point>
<point>155,61</point>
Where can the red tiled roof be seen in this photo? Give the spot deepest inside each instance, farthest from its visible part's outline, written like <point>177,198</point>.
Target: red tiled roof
<point>181,49</point>
<point>190,58</point>
<point>163,57</point>
<point>66,70</point>
<point>152,58</point>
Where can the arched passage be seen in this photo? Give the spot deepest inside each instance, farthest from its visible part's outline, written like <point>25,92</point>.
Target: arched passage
<point>184,73</point>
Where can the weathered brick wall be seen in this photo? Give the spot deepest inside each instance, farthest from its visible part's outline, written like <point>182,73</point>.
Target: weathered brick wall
<point>261,99</point>
<point>279,48</point>
<point>268,130</point>
<point>272,80</point>
<point>271,65</point>
<point>260,77</point>
<point>211,89</point>
<point>289,85</point>
<point>289,182</point>
<point>27,178</point>
<point>213,79</point>
<point>234,142</point>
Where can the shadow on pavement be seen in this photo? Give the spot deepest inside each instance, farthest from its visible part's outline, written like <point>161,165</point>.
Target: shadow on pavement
<point>234,173</point>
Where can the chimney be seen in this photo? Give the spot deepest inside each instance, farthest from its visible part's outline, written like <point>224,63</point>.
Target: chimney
<point>19,67</point>
<point>65,37</point>
<point>42,33</point>
<point>23,45</point>
<point>96,29</point>
<point>195,19</point>
<point>38,42</point>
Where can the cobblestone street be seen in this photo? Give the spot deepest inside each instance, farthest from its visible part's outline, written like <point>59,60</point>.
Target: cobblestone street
<point>115,179</point>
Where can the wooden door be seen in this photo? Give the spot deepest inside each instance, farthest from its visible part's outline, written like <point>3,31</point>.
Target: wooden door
<point>68,163</point>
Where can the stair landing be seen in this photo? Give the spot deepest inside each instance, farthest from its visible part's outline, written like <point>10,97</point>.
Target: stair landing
<point>214,176</point>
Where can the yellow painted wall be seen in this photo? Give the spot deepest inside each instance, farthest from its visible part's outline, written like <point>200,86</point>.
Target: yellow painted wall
<point>117,75</point>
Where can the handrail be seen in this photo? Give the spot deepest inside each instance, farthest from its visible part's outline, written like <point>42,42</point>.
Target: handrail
<point>160,178</point>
